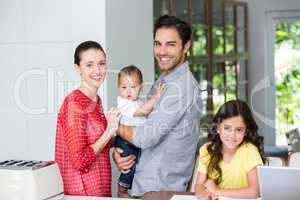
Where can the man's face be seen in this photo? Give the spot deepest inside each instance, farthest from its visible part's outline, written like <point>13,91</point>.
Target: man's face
<point>168,49</point>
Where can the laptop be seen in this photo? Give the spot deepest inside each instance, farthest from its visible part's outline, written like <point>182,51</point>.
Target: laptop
<point>278,183</point>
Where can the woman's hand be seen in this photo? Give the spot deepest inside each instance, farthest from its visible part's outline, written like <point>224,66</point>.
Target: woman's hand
<point>113,118</point>
<point>123,163</point>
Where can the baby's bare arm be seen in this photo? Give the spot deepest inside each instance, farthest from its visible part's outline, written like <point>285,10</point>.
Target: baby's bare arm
<point>147,107</point>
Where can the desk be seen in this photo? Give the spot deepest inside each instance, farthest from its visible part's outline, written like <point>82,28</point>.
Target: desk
<point>169,195</point>
<point>147,196</point>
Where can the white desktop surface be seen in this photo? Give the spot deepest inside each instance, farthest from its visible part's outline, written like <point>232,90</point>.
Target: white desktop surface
<point>192,197</point>
<point>175,197</point>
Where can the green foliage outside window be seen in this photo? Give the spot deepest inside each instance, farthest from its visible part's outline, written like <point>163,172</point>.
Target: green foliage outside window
<point>288,84</point>
<point>199,39</point>
<point>288,33</point>
<point>218,41</point>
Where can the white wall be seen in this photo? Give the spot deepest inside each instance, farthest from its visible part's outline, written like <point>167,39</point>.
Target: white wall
<point>263,94</point>
<point>37,42</point>
<point>129,41</point>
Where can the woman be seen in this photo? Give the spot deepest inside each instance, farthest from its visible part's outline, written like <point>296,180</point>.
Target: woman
<point>83,133</point>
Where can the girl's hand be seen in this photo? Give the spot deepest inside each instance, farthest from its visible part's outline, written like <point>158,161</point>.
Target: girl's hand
<point>205,195</point>
<point>211,186</point>
<point>113,118</point>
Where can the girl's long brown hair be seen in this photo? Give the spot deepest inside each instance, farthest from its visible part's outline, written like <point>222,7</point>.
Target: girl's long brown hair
<point>231,109</point>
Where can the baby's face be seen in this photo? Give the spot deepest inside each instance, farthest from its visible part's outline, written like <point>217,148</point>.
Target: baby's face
<point>130,87</point>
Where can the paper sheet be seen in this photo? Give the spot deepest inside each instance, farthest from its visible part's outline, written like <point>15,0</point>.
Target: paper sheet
<point>184,197</point>
<point>227,198</point>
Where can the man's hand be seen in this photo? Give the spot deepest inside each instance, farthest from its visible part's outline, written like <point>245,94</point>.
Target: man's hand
<point>123,163</point>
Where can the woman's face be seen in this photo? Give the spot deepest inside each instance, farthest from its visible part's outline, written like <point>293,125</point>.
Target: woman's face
<point>92,67</point>
<point>232,132</point>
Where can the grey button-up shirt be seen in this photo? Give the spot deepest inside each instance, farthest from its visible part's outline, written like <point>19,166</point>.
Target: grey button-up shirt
<point>169,136</point>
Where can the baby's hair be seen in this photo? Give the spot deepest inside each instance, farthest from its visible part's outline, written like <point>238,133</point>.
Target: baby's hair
<point>129,71</point>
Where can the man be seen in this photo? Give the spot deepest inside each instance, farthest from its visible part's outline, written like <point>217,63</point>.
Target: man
<point>169,136</point>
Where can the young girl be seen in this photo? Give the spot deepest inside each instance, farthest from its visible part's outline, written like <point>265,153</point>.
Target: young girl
<point>227,163</point>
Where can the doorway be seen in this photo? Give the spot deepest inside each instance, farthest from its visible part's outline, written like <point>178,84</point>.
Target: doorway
<point>287,77</point>
<point>282,52</point>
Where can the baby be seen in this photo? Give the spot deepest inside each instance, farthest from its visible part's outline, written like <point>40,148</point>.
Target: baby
<point>134,112</point>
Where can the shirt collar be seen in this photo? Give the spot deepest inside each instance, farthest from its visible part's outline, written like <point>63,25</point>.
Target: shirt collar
<point>183,68</point>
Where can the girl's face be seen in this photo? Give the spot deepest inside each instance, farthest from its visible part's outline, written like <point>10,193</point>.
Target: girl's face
<point>232,132</point>
<point>92,67</point>
<point>130,87</point>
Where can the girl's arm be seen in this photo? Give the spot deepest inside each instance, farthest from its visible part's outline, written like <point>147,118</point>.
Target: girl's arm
<point>147,107</point>
<point>252,191</point>
<point>200,189</point>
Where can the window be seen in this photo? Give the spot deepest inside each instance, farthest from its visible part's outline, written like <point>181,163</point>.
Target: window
<point>218,58</point>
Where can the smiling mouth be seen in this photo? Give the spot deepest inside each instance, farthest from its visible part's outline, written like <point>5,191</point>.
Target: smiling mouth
<point>231,141</point>
<point>164,59</point>
<point>96,77</point>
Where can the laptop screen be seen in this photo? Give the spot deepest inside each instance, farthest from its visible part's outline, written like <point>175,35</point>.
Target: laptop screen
<point>278,183</point>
